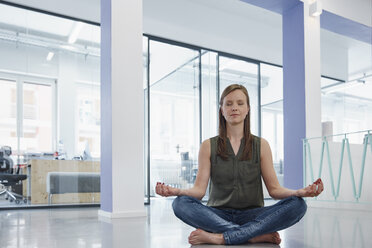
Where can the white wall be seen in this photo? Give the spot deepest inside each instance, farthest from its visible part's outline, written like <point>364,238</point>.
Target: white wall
<point>334,56</point>
<point>356,10</point>
<point>229,26</point>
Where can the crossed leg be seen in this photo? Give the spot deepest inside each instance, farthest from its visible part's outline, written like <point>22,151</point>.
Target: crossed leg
<point>215,226</point>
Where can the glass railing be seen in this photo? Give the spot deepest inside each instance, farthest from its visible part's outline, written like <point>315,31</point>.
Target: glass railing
<point>344,162</point>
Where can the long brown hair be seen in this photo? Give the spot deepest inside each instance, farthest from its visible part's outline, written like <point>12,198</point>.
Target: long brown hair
<point>222,131</point>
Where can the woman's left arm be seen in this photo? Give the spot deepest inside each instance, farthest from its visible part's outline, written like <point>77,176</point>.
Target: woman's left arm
<point>275,190</point>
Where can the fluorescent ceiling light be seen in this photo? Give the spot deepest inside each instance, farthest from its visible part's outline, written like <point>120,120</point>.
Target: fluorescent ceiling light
<point>75,32</point>
<point>315,8</point>
<point>50,56</point>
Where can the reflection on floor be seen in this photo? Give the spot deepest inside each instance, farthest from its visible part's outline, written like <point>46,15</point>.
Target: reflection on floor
<point>81,227</point>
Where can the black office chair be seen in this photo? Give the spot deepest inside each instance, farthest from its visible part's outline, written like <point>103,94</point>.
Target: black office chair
<point>7,178</point>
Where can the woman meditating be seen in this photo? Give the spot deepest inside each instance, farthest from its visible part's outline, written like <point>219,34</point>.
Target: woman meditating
<point>234,162</point>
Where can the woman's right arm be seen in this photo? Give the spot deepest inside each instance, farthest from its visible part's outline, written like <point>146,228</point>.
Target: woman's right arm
<point>202,177</point>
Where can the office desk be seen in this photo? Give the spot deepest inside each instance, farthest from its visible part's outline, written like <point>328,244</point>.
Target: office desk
<point>38,174</point>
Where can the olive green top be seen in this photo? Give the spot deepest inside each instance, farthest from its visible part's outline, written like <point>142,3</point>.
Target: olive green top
<point>233,183</point>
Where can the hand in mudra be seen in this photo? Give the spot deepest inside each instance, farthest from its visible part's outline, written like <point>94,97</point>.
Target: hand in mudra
<point>165,190</point>
<point>312,190</point>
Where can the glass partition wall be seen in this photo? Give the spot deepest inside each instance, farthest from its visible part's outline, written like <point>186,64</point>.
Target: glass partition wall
<point>50,99</point>
<point>272,113</point>
<point>50,85</point>
<point>185,84</point>
<point>174,114</point>
<point>210,96</point>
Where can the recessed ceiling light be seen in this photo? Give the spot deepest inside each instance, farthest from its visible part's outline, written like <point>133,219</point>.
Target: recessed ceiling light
<point>75,32</point>
<point>50,56</point>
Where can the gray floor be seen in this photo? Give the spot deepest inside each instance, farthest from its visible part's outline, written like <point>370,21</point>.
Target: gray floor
<point>81,227</point>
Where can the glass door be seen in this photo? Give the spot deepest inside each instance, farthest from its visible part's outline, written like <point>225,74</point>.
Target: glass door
<point>174,114</point>
<point>272,114</point>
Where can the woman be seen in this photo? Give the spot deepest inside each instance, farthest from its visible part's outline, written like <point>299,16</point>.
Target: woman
<point>235,161</point>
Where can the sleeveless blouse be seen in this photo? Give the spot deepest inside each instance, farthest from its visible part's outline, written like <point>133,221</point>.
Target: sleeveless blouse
<point>235,184</point>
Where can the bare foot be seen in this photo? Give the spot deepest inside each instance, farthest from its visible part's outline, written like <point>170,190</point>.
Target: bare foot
<point>267,238</point>
<point>199,236</point>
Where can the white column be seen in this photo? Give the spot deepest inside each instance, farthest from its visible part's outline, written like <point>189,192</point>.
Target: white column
<point>301,87</point>
<point>124,184</point>
<point>312,73</point>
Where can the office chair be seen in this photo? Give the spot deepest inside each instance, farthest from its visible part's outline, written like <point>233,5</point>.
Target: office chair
<point>7,178</point>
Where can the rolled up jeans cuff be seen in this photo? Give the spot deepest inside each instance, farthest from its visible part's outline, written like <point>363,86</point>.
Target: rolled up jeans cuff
<point>226,238</point>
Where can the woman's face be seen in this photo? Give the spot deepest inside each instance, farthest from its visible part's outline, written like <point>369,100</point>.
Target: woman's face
<point>235,107</point>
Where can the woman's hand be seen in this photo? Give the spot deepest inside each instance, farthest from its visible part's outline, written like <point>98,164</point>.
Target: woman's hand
<point>312,190</point>
<point>165,190</point>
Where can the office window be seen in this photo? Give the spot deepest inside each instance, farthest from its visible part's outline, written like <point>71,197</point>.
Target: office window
<point>27,123</point>
<point>37,117</point>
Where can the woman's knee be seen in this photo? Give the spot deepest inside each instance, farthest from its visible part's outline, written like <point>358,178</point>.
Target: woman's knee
<point>180,204</point>
<point>299,205</point>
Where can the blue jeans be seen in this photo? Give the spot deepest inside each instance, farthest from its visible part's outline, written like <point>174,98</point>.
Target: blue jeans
<point>239,226</point>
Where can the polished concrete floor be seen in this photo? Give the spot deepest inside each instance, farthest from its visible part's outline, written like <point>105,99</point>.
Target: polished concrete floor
<point>82,227</point>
